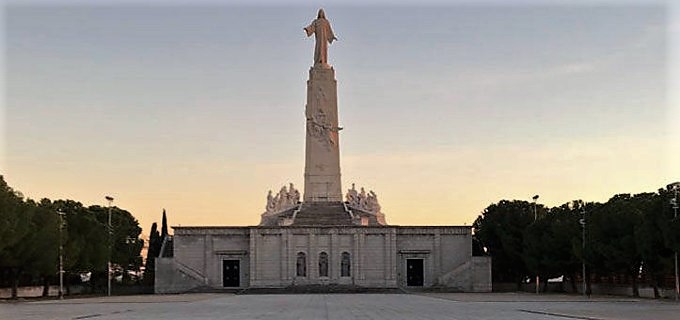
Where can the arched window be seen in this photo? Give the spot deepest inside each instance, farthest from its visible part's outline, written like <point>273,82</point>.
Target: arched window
<point>323,264</point>
<point>301,265</point>
<point>345,265</point>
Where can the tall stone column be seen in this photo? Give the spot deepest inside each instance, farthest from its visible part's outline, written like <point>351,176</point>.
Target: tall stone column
<point>322,148</point>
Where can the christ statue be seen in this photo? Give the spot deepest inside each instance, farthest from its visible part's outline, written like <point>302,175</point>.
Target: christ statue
<point>321,28</point>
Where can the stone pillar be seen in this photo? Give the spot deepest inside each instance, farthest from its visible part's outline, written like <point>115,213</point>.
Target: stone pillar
<point>253,256</point>
<point>209,264</point>
<point>334,256</point>
<point>322,145</point>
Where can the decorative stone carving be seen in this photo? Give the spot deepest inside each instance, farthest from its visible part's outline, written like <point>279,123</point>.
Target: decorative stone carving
<point>363,201</point>
<point>285,199</point>
<point>320,128</point>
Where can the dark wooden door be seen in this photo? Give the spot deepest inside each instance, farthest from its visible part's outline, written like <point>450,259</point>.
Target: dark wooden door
<point>231,273</point>
<point>414,272</point>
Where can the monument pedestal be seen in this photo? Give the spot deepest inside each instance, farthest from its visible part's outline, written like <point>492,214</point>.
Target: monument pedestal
<point>322,152</point>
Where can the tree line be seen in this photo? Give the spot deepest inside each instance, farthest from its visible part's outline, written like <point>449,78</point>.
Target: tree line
<point>31,233</point>
<point>628,239</point>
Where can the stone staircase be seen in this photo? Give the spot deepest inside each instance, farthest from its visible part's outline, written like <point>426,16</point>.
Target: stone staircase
<point>322,214</point>
<point>457,279</point>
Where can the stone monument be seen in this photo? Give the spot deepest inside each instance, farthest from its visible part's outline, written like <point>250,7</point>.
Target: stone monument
<point>321,240</point>
<point>322,202</point>
<point>322,143</point>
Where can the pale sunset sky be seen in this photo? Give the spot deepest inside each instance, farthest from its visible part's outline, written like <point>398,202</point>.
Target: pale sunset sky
<point>198,106</point>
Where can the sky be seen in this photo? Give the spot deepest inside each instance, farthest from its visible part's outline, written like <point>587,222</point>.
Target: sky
<point>198,107</point>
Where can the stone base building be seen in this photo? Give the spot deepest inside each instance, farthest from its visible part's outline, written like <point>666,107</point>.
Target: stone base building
<point>211,258</point>
<point>321,240</point>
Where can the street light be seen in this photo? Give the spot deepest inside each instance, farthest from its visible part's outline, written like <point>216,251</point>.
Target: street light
<point>582,221</point>
<point>535,218</point>
<point>535,198</point>
<point>61,254</point>
<point>108,265</point>
<point>675,187</point>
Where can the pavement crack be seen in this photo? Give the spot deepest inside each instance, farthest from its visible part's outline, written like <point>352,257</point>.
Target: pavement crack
<point>88,316</point>
<point>559,315</point>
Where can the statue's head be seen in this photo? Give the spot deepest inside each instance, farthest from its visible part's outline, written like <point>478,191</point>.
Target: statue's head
<point>321,15</point>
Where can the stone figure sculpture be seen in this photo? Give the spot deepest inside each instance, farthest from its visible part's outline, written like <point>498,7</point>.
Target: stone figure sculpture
<point>363,201</point>
<point>321,29</point>
<point>293,195</point>
<point>270,202</point>
<point>352,196</point>
<point>285,199</point>
<point>372,202</point>
<point>362,198</point>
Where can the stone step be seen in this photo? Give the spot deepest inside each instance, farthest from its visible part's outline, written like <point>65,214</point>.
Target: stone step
<point>322,214</point>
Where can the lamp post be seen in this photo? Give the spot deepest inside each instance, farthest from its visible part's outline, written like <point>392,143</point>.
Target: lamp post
<point>675,187</point>
<point>108,265</point>
<point>61,254</point>
<point>534,198</point>
<point>582,221</point>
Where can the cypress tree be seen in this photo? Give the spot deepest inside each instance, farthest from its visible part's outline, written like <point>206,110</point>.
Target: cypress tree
<point>151,254</point>
<point>164,227</point>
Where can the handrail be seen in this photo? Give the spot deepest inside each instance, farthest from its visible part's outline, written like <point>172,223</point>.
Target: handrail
<point>348,210</point>
<point>297,210</point>
<point>197,275</point>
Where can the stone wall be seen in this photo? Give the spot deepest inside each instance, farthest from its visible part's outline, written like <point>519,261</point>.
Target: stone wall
<point>170,278</point>
<point>481,279</point>
<point>446,254</point>
<point>275,254</point>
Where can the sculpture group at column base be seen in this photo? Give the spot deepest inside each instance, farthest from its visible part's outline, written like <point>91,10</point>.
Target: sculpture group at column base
<point>322,214</point>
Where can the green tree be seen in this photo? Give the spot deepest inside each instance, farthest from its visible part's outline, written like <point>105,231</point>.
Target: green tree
<point>42,244</point>
<point>16,228</point>
<point>500,228</point>
<point>549,243</point>
<point>613,238</point>
<point>126,246</point>
<point>649,234</point>
<point>164,227</point>
<point>28,239</point>
<point>151,254</point>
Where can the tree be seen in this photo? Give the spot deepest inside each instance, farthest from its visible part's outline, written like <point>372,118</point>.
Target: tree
<point>42,244</point>
<point>649,236</point>
<point>500,229</point>
<point>14,226</point>
<point>126,246</point>
<point>615,250</point>
<point>152,254</point>
<point>155,245</point>
<point>28,238</point>
<point>550,241</point>
<point>164,227</point>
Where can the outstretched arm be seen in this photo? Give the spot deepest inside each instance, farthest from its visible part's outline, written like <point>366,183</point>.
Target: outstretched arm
<point>309,29</point>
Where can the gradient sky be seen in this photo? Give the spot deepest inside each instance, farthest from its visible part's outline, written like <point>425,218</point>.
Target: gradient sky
<point>199,109</point>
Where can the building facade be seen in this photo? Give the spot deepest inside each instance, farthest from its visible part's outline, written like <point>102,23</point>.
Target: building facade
<point>209,258</point>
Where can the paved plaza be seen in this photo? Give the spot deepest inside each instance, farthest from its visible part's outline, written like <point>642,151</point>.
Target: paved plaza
<point>344,306</point>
